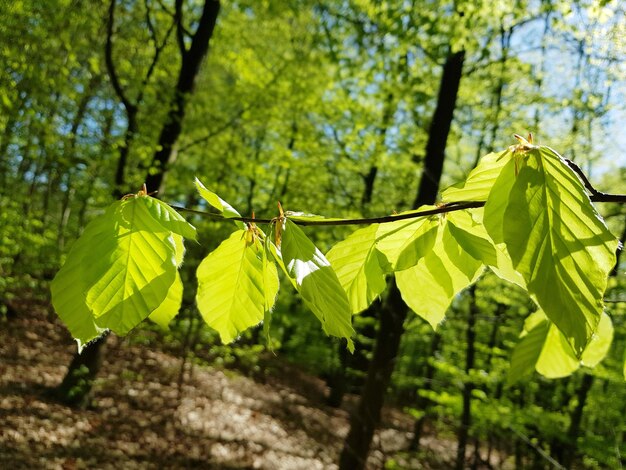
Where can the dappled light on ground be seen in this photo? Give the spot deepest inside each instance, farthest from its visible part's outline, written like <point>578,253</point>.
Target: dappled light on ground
<point>139,416</point>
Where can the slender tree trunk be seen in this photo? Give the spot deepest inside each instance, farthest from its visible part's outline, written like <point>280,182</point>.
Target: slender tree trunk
<point>191,60</point>
<point>70,152</point>
<point>78,381</point>
<point>468,386</point>
<point>423,402</point>
<point>393,311</point>
<point>340,381</point>
<point>566,453</point>
<point>76,385</point>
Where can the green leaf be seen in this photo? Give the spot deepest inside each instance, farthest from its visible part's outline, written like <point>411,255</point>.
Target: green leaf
<point>527,351</point>
<point>218,203</point>
<point>497,201</point>
<point>480,180</point>
<point>234,288</point>
<point>503,266</point>
<point>544,348</point>
<point>355,260</point>
<point>429,287</point>
<point>68,287</point>
<point>129,272</point>
<point>472,236</point>
<point>600,343</point>
<point>170,307</point>
<point>305,216</point>
<point>404,242</point>
<point>271,283</point>
<point>556,240</point>
<point>316,282</point>
<point>169,218</point>
<point>557,358</point>
<point>118,272</point>
<point>179,248</point>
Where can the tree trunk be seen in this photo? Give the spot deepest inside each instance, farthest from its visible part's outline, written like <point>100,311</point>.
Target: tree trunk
<point>423,402</point>
<point>77,383</point>
<point>393,311</point>
<point>340,381</point>
<point>191,60</point>
<point>468,386</point>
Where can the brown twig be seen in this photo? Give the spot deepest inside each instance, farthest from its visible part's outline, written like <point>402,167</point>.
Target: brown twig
<point>595,196</point>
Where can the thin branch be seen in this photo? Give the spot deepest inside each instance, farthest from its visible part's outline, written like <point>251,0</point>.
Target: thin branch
<point>158,48</point>
<point>300,220</point>
<point>539,450</point>
<point>165,8</point>
<point>180,29</point>
<point>596,195</point>
<point>221,128</point>
<point>108,56</point>
<point>442,209</point>
<point>151,29</point>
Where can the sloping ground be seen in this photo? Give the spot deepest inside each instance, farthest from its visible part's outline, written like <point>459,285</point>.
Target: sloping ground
<point>141,418</point>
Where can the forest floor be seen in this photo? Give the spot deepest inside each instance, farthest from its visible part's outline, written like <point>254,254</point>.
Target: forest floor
<point>140,416</point>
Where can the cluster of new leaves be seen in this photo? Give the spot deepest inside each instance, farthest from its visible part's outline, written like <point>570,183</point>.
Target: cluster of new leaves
<point>537,229</point>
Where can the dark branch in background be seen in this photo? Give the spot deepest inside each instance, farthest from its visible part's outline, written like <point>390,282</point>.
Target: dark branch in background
<point>158,48</point>
<point>165,8</point>
<point>108,58</point>
<point>180,29</point>
<point>224,126</point>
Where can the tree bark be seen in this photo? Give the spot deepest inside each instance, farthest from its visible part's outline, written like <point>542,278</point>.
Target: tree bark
<point>81,373</point>
<point>423,402</point>
<point>468,386</point>
<point>191,60</point>
<point>393,312</point>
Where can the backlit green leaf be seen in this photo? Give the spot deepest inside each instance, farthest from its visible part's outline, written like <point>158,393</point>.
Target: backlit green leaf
<point>404,242</point>
<point>169,218</point>
<point>557,358</point>
<point>119,271</point>
<point>555,238</point>
<point>480,180</point>
<point>232,285</point>
<point>130,271</point>
<point>600,343</point>
<point>355,260</point>
<point>218,203</point>
<point>68,287</point>
<point>170,307</point>
<point>527,351</point>
<point>472,236</point>
<point>429,287</point>
<point>316,282</point>
<point>544,348</point>
<point>305,216</point>
<point>271,284</point>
